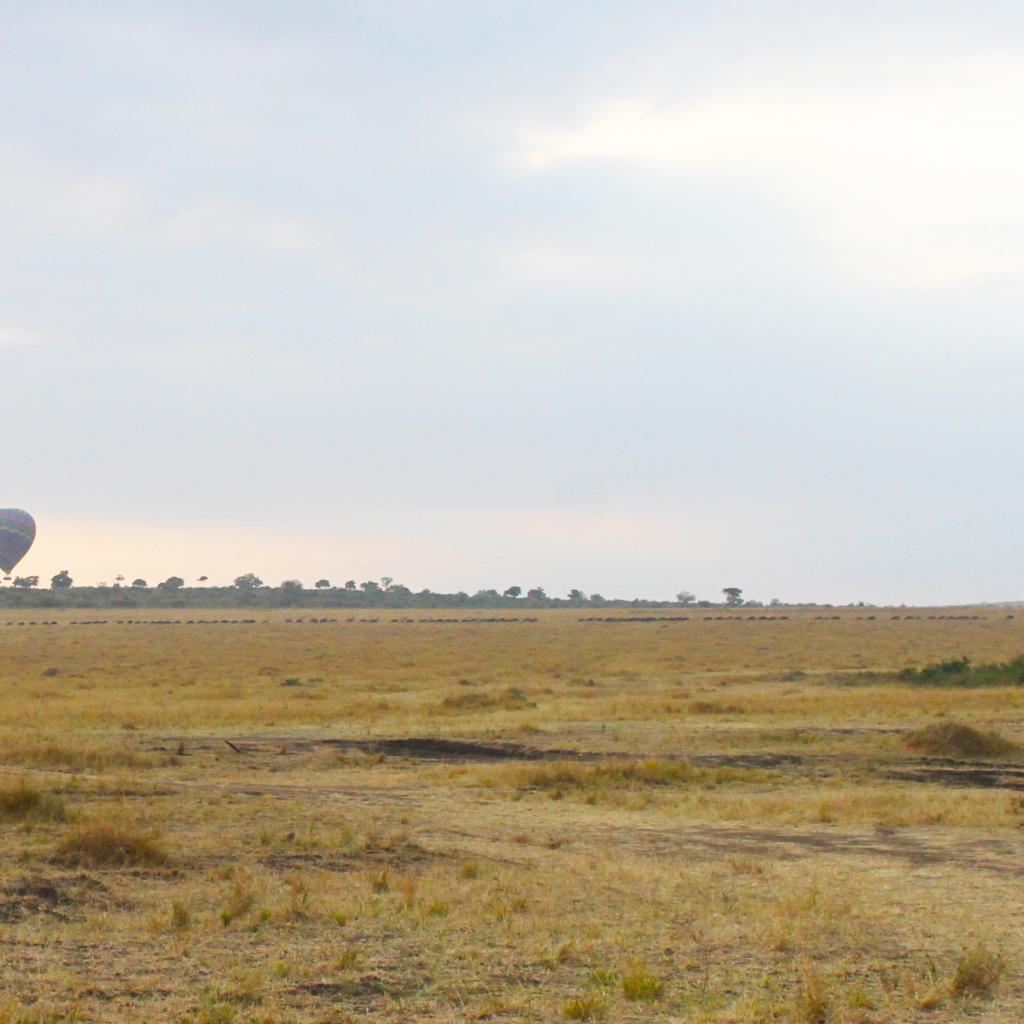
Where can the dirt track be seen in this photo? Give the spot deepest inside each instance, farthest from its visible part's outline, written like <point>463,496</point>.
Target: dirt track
<point>926,770</point>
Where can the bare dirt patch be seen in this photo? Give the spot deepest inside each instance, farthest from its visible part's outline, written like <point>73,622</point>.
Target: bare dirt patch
<point>971,776</point>
<point>57,896</point>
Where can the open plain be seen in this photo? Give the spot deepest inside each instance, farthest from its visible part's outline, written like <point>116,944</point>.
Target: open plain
<point>677,816</point>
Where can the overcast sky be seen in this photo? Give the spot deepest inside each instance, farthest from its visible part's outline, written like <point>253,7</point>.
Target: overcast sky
<point>626,297</point>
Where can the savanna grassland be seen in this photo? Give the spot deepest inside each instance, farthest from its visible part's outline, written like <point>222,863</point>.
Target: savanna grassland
<point>734,819</point>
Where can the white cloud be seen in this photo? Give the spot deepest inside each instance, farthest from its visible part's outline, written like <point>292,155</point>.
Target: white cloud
<point>64,198</point>
<point>558,264</point>
<point>13,336</point>
<point>913,180</point>
<point>219,355</point>
<point>56,196</point>
<point>217,220</point>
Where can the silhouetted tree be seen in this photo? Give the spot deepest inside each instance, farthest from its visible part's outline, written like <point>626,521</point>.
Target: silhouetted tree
<point>26,581</point>
<point>172,583</point>
<point>350,584</point>
<point>685,597</point>
<point>140,584</point>
<point>291,586</point>
<point>386,581</point>
<point>322,584</point>
<point>370,587</point>
<point>577,595</point>
<point>62,581</point>
<point>250,581</point>
<point>733,596</point>
<point>513,592</point>
<point>536,594</point>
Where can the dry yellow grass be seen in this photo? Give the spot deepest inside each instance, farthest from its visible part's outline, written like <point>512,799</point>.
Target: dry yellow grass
<point>953,739</point>
<point>697,821</point>
<point>99,844</point>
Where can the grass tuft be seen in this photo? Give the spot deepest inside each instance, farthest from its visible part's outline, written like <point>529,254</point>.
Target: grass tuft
<point>86,757</point>
<point>588,1007</point>
<point>641,986</point>
<point>978,971</point>
<point>24,803</point>
<point>812,1002</point>
<point>102,844</point>
<point>181,916</point>
<point>570,775</point>
<point>511,699</point>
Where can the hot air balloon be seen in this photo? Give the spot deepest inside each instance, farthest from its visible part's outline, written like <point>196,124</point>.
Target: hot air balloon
<point>17,531</point>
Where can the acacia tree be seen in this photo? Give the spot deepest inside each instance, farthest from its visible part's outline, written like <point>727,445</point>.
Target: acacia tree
<point>733,596</point>
<point>26,581</point>
<point>62,581</point>
<point>249,581</point>
<point>513,592</point>
<point>322,584</point>
<point>172,583</point>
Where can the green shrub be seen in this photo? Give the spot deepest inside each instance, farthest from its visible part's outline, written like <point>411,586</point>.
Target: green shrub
<point>960,672</point>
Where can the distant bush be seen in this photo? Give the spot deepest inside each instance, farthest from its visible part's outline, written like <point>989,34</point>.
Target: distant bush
<point>249,592</point>
<point>953,739</point>
<point>960,672</point>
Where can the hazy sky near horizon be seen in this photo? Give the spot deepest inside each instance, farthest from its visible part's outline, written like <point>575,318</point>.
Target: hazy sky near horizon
<point>626,297</point>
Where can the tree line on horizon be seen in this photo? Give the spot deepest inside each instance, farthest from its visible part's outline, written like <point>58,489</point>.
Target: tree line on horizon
<point>249,590</point>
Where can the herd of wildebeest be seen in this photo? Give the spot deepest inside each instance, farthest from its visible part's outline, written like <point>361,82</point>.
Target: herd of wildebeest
<point>768,618</point>
<point>493,620</point>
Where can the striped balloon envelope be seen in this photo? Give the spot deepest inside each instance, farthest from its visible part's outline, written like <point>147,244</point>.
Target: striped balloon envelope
<point>17,531</point>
